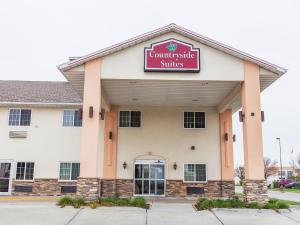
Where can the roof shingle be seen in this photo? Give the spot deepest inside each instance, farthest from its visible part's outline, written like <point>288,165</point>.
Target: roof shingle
<point>37,92</point>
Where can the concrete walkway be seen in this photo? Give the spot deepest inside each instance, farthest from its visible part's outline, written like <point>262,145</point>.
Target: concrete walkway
<point>277,194</point>
<point>47,213</point>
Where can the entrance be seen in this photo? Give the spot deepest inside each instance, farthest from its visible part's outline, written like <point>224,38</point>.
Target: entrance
<point>149,177</point>
<point>5,181</point>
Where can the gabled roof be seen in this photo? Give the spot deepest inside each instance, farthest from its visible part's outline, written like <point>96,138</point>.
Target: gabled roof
<point>37,92</point>
<point>176,29</point>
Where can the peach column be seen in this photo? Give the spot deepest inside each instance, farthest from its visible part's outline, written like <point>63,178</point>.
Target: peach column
<point>252,128</point>
<point>226,145</point>
<point>110,143</point>
<point>90,125</point>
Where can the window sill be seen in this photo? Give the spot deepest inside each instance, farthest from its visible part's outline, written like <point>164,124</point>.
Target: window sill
<point>67,181</point>
<point>20,181</point>
<point>194,182</point>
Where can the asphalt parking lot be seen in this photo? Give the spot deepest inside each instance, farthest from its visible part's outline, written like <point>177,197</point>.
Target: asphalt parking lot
<point>46,213</point>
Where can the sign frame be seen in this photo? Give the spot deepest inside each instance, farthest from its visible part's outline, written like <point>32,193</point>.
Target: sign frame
<point>173,70</point>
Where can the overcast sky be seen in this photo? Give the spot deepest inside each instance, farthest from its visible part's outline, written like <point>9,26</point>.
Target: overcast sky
<point>38,35</point>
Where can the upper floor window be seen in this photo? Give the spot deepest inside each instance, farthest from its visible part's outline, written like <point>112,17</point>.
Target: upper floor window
<point>72,118</point>
<point>19,117</point>
<point>69,171</point>
<point>194,172</point>
<point>194,120</point>
<point>25,171</point>
<point>130,119</point>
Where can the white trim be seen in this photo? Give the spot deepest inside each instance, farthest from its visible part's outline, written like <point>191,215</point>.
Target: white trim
<point>41,103</point>
<point>20,117</point>
<point>62,122</point>
<point>16,167</point>
<point>200,128</point>
<point>194,163</point>
<point>10,176</point>
<point>176,29</point>
<point>58,179</point>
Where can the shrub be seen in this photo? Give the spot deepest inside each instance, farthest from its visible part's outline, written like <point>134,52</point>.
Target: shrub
<point>93,205</point>
<point>282,205</point>
<point>204,203</point>
<point>207,204</point>
<point>122,201</point>
<point>105,200</point>
<point>270,205</point>
<point>254,205</point>
<point>235,203</point>
<point>139,202</point>
<point>78,202</point>
<point>64,201</point>
<point>276,204</point>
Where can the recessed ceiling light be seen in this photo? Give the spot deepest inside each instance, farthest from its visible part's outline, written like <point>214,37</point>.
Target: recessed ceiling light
<point>195,100</point>
<point>204,83</point>
<point>135,99</point>
<point>132,82</point>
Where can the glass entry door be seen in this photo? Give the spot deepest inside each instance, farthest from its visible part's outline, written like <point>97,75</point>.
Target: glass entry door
<point>149,177</point>
<point>5,181</point>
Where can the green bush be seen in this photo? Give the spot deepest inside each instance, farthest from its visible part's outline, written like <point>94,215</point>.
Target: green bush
<point>105,200</point>
<point>254,205</point>
<point>139,202</point>
<point>282,205</point>
<point>78,202</point>
<point>207,204</point>
<point>65,201</point>
<point>122,201</point>
<point>276,204</point>
<point>68,201</point>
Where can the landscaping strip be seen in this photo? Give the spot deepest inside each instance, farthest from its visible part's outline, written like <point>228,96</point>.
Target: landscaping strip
<point>235,202</point>
<point>104,201</point>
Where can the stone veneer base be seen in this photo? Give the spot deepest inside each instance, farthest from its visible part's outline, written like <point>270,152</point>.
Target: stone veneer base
<point>88,188</point>
<point>212,189</point>
<point>255,191</point>
<point>92,188</point>
<point>43,187</point>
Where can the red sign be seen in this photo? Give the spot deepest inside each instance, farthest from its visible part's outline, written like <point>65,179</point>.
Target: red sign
<point>172,56</point>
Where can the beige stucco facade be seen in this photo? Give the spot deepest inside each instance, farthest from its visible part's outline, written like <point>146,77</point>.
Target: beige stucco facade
<point>162,136</point>
<point>113,80</point>
<point>214,64</point>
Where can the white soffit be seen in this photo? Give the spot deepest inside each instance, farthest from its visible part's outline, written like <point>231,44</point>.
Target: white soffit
<point>166,93</point>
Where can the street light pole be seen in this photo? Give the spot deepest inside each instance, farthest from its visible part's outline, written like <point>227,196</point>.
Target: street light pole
<point>279,142</point>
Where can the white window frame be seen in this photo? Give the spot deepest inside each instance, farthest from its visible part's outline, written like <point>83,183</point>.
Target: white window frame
<point>20,117</point>
<point>10,176</point>
<point>16,169</point>
<point>194,120</point>
<point>188,163</point>
<point>129,118</point>
<point>73,118</point>
<point>69,180</point>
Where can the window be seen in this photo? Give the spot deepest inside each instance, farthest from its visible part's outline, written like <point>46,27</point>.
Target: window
<point>290,174</point>
<point>194,172</point>
<point>25,171</point>
<point>69,171</point>
<point>19,117</point>
<point>130,119</point>
<point>194,119</point>
<point>283,173</point>
<point>72,118</point>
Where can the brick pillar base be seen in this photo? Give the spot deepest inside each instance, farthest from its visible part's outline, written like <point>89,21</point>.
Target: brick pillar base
<point>255,191</point>
<point>227,188</point>
<point>88,188</point>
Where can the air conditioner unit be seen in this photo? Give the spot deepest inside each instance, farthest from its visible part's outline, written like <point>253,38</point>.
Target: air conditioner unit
<point>17,134</point>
